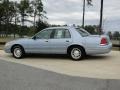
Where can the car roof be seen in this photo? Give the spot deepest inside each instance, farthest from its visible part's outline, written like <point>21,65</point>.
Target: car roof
<point>64,27</point>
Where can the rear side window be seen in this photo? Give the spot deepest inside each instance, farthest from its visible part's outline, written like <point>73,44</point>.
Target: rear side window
<point>61,33</point>
<point>82,32</point>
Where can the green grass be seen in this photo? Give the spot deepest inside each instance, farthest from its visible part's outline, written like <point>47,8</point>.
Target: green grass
<point>1,47</point>
<point>7,39</point>
<point>4,40</point>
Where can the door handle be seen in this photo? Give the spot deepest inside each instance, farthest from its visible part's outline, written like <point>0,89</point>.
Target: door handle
<point>67,41</point>
<point>46,41</point>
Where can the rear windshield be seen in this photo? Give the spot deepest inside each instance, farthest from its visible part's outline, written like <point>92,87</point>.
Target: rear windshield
<point>83,32</point>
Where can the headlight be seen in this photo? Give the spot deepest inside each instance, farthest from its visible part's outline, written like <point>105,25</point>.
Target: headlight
<point>9,43</point>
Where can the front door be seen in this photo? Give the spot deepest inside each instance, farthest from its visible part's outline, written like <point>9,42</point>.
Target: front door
<point>41,42</point>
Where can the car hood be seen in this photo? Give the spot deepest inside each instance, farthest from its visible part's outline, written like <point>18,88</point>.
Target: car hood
<point>22,40</point>
<point>19,41</point>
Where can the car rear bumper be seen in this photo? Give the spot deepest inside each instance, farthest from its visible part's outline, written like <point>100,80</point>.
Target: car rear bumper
<point>100,49</point>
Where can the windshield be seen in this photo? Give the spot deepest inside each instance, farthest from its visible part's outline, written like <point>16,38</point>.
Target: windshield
<point>83,32</point>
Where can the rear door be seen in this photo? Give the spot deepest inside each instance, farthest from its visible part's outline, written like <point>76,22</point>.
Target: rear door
<point>60,41</point>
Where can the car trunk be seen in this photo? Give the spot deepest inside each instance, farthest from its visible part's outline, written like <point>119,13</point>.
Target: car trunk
<point>94,41</point>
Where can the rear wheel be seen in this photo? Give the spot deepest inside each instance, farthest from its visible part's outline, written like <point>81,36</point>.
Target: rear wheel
<point>77,53</point>
<point>18,52</point>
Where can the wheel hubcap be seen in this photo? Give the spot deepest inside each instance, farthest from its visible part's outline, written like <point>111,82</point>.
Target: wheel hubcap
<point>76,53</point>
<point>17,52</point>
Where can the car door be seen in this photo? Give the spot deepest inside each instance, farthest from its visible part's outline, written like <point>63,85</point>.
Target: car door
<point>60,41</point>
<point>41,42</point>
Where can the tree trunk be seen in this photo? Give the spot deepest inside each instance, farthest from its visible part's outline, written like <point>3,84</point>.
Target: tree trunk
<point>83,19</point>
<point>101,17</point>
<point>15,26</point>
<point>34,21</point>
<point>22,27</point>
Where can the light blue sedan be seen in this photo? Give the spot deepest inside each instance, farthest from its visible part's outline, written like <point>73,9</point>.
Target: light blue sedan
<point>76,42</point>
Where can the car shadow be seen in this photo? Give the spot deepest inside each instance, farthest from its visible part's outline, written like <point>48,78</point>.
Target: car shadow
<point>62,57</point>
<point>65,57</point>
<point>47,56</point>
<point>97,57</point>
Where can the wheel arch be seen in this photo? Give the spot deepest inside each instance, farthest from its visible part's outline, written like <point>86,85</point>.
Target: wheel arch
<point>75,45</point>
<point>17,45</point>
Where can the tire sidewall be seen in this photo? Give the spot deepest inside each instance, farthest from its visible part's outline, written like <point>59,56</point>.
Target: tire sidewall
<point>22,52</point>
<point>81,51</point>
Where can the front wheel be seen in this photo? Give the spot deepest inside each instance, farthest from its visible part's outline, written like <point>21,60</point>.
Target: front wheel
<point>18,52</point>
<point>77,53</point>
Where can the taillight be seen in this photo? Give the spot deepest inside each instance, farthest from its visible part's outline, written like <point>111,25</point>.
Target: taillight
<point>104,41</point>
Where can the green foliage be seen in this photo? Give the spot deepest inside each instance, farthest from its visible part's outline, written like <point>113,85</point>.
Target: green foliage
<point>13,16</point>
<point>116,35</point>
<point>41,25</point>
<point>37,11</point>
<point>23,8</point>
<point>6,11</point>
<point>6,16</point>
<point>91,29</point>
<point>31,31</point>
<point>89,2</point>
<point>37,7</point>
<point>110,34</point>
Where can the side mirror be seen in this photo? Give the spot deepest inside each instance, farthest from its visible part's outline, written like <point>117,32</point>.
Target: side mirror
<point>34,37</point>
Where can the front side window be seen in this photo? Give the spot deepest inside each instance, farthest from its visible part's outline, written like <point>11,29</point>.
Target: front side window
<point>61,33</point>
<point>45,34</point>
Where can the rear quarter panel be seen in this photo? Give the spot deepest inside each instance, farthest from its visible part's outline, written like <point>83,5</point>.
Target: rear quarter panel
<point>77,39</point>
<point>92,44</point>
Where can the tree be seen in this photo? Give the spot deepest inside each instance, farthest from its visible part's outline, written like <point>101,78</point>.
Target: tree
<point>83,19</point>
<point>41,25</point>
<point>40,9</point>
<point>16,17</point>
<point>6,14</point>
<point>110,34</point>
<point>101,14</point>
<point>34,11</point>
<point>89,2</point>
<point>37,9</point>
<point>1,14</point>
<point>91,29</point>
<point>13,13</point>
<point>116,35</point>
<point>101,17</point>
<point>24,11</point>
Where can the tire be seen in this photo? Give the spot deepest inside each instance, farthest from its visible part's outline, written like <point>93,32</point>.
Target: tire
<point>76,53</point>
<point>18,52</point>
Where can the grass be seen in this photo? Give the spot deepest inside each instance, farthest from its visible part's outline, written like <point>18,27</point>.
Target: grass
<point>3,40</point>
<point>1,47</point>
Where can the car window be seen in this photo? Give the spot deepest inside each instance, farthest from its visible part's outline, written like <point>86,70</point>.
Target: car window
<point>67,34</point>
<point>82,32</point>
<point>61,33</point>
<point>45,34</point>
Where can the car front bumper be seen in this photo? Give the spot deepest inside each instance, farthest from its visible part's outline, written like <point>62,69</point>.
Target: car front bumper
<point>7,48</point>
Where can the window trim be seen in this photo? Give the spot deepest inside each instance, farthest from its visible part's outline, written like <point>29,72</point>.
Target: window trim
<point>54,29</point>
<point>80,29</point>
<point>42,31</point>
<point>62,29</point>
